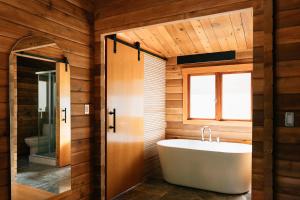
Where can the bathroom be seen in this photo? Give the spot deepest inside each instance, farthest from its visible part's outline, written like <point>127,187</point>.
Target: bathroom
<point>72,33</point>
<point>179,96</point>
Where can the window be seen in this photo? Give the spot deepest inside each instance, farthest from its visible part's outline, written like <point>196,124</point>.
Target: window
<point>221,93</point>
<point>202,96</point>
<point>236,96</point>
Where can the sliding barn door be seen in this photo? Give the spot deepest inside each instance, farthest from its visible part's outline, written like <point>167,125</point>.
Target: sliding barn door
<point>125,123</point>
<point>63,114</point>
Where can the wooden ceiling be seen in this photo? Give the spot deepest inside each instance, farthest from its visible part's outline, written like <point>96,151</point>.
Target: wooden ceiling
<point>215,33</point>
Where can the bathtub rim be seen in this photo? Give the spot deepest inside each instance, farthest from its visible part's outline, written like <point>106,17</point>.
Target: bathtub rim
<point>159,144</point>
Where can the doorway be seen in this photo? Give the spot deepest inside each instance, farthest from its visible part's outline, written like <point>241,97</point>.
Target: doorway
<point>231,31</point>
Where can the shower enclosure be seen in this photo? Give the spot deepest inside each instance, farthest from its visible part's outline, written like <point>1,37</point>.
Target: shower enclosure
<point>46,113</point>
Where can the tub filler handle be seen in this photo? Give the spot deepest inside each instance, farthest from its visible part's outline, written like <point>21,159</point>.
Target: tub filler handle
<point>113,113</point>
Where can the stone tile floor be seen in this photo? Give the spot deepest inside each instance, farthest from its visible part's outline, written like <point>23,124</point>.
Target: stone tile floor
<point>157,189</point>
<point>49,178</point>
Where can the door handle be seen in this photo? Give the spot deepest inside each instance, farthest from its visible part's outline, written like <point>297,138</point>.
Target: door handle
<point>65,111</point>
<point>113,113</point>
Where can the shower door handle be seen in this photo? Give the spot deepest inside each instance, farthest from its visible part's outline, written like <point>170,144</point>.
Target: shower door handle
<point>65,111</point>
<point>114,120</point>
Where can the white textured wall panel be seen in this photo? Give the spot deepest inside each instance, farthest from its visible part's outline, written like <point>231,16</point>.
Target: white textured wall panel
<point>154,108</point>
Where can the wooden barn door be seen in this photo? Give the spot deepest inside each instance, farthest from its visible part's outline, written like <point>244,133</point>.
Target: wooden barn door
<point>125,122</point>
<point>63,115</point>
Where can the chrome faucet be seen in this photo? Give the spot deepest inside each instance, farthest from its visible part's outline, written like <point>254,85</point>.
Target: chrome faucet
<point>202,133</point>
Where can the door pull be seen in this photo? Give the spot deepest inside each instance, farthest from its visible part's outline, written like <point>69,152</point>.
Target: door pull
<point>113,113</point>
<point>65,111</point>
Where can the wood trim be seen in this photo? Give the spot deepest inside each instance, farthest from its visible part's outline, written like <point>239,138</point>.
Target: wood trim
<point>219,96</point>
<point>218,123</point>
<point>218,63</point>
<point>104,108</point>
<point>215,69</point>
<point>185,97</point>
<point>34,57</point>
<point>269,123</point>
<point>218,71</point>
<point>13,115</point>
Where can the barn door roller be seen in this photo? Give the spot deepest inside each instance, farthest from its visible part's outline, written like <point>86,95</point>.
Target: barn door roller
<point>66,63</point>
<point>115,42</point>
<point>138,47</point>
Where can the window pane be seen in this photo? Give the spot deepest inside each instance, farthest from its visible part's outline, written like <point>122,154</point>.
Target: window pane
<point>236,91</point>
<point>202,96</point>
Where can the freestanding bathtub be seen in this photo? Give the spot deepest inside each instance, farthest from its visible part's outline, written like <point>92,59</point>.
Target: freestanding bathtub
<point>221,167</point>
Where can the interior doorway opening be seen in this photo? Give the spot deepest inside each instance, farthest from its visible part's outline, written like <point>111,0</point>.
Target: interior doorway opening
<point>174,41</point>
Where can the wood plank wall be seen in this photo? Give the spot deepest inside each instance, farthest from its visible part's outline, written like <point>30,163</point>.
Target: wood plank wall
<point>258,83</point>
<point>174,106</point>
<point>288,99</point>
<point>27,91</point>
<point>68,23</point>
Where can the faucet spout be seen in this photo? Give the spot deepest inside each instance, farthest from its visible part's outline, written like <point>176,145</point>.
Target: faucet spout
<point>202,133</point>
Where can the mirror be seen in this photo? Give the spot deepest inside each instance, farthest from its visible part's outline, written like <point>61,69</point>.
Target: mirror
<point>40,119</point>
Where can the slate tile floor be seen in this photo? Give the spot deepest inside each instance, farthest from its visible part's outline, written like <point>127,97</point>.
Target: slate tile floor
<point>157,189</point>
<point>49,178</point>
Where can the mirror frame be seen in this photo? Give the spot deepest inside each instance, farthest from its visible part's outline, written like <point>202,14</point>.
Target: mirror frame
<point>25,44</point>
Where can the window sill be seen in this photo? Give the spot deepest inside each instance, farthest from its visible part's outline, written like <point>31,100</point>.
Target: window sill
<point>218,123</point>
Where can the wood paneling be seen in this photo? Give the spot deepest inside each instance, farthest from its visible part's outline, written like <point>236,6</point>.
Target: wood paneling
<point>287,141</point>
<point>215,33</point>
<point>268,135</point>
<point>68,23</point>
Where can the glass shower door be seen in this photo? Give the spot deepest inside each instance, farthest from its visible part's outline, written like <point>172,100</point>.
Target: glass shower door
<point>46,113</point>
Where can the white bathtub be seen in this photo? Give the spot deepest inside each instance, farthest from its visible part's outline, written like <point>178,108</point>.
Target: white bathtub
<point>221,167</point>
